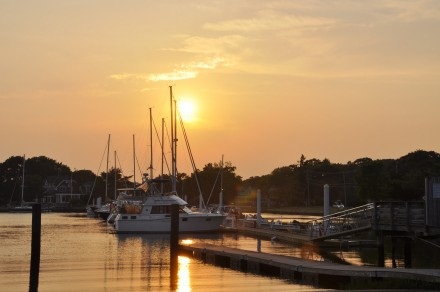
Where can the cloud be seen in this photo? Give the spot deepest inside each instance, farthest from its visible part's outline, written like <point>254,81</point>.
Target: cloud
<point>312,39</point>
<point>410,11</point>
<point>211,63</point>
<point>174,75</point>
<point>184,71</point>
<point>269,22</point>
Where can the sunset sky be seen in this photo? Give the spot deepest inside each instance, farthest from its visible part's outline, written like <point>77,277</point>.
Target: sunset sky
<point>270,80</point>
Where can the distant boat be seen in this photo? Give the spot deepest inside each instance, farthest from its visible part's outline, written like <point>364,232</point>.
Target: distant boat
<point>24,206</point>
<point>21,208</point>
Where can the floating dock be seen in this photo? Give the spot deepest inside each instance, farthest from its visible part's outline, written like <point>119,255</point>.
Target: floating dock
<point>324,274</point>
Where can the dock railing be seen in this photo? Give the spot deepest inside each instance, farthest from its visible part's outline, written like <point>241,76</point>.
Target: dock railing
<point>342,223</point>
<point>398,217</point>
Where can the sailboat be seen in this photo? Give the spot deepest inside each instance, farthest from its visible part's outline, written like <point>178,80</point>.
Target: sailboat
<point>23,207</point>
<point>98,209</point>
<point>154,214</point>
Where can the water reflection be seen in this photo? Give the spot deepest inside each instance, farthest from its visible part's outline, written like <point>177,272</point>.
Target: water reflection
<point>143,260</point>
<point>183,275</point>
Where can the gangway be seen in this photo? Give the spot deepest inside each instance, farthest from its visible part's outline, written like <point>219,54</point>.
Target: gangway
<point>342,223</point>
<point>393,218</point>
<point>404,218</point>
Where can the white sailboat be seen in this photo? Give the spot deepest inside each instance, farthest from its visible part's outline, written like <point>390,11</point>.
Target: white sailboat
<point>154,214</point>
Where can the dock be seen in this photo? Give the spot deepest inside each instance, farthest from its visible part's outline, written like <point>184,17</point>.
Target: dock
<point>324,274</point>
<point>400,221</point>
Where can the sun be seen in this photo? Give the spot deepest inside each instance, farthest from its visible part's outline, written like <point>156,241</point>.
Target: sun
<point>187,109</point>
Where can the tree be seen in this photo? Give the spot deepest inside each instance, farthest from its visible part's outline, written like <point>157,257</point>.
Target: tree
<point>409,173</point>
<point>298,184</point>
<point>209,181</point>
<point>37,169</point>
<point>114,175</point>
<point>11,171</point>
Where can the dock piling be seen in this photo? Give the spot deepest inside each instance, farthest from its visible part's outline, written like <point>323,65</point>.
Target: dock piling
<point>174,245</point>
<point>35,247</point>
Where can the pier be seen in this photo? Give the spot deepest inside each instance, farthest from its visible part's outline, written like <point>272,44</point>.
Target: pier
<point>400,221</point>
<point>404,221</point>
<point>391,218</point>
<point>324,274</point>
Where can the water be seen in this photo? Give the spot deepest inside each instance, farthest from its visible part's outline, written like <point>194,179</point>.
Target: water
<point>81,254</point>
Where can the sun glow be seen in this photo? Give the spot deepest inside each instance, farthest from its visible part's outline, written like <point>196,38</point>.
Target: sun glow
<point>187,109</point>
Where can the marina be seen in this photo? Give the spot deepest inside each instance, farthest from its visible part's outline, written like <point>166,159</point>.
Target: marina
<point>248,146</point>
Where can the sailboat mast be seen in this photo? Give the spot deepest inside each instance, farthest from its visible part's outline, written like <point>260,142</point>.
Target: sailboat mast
<point>173,149</point>
<point>151,143</point>
<point>220,200</point>
<point>175,145</point>
<point>22,180</point>
<point>134,165</point>
<point>161,169</point>
<point>106,171</point>
<point>115,176</point>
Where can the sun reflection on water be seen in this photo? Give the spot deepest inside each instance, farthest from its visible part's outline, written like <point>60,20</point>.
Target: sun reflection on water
<point>187,241</point>
<point>184,280</point>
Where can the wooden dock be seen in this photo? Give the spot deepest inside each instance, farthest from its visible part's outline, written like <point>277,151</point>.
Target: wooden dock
<point>323,274</point>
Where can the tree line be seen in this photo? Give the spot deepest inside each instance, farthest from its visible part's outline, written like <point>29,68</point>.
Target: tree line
<point>297,184</point>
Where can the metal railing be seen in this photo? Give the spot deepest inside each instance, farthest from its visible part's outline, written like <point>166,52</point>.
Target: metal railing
<point>343,222</point>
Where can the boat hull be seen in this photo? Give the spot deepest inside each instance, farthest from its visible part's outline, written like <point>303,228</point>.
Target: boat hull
<point>188,223</point>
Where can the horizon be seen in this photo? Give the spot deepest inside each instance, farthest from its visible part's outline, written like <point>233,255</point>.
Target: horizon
<point>236,172</point>
<point>261,83</point>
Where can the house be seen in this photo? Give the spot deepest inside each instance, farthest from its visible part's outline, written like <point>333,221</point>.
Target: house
<point>63,190</point>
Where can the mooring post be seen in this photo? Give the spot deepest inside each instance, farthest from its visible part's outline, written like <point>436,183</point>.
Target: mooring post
<point>35,247</point>
<point>407,252</point>
<point>380,250</point>
<point>258,207</point>
<point>326,206</point>
<point>174,245</point>
<point>393,251</point>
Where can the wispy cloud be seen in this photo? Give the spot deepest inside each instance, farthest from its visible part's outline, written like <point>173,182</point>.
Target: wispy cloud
<point>410,11</point>
<point>183,71</point>
<point>174,75</point>
<point>315,38</point>
<point>269,21</point>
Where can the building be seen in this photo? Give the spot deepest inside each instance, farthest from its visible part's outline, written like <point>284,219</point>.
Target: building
<point>63,191</point>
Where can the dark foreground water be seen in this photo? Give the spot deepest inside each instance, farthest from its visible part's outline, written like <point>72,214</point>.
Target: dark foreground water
<point>80,254</point>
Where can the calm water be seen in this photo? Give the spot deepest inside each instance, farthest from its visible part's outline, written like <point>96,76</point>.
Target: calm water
<point>80,254</point>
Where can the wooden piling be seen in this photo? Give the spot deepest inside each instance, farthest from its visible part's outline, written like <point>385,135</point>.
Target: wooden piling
<point>174,245</point>
<point>408,253</point>
<point>380,250</point>
<point>35,247</point>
